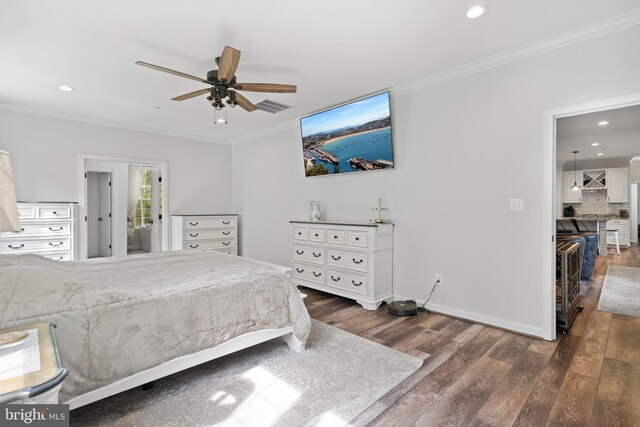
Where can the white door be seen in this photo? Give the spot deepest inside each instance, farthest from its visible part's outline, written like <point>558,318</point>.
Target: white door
<point>156,223</point>
<point>105,215</point>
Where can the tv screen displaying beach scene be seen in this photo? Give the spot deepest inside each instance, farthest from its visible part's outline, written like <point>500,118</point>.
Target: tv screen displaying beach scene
<point>354,137</point>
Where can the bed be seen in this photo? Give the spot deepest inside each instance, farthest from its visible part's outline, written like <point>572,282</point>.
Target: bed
<point>125,321</point>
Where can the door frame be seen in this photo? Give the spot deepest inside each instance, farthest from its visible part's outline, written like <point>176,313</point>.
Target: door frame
<point>549,195</point>
<point>82,197</point>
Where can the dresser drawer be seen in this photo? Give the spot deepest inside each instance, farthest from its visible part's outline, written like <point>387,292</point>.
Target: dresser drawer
<point>54,212</point>
<point>348,282</point>
<point>357,238</point>
<point>350,260</point>
<point>27,212</point>
<point>208,222</point>
<point>300,233</point>
<point>312,273</point>
<point>317,235</point>
<point>228,251</point>
<point>209,244</point>
<point>57,256</point>
<point>22,246</point>
<point>308,254</point>
<point>196,234</point>
<point>336,237</point>
<point>53,229</point>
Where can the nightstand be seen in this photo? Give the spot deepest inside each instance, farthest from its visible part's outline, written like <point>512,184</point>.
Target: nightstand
<point>30,369</point>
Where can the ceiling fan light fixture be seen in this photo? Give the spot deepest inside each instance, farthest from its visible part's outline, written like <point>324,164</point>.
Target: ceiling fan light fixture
<point>221,116</point>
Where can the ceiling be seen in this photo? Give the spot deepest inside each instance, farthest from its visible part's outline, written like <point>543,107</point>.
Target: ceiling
<point>333,50</point>
<point>620,139</point>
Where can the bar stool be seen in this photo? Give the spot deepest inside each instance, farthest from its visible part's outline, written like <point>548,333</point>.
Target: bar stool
<point>616,237</point>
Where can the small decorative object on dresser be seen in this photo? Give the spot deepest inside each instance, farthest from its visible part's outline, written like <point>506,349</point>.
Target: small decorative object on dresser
<point>31,371</point>
<point>353,260</point>
<point>198,232</point>
<point>46,228</point>
<point>314,213</point>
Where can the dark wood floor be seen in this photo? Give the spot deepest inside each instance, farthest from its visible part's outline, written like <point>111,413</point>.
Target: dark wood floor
<point>475,375</point>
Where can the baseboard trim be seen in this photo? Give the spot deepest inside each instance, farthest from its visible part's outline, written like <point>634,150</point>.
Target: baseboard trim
<point>480,318</point>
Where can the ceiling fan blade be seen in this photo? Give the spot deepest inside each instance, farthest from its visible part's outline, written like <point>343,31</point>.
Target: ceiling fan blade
<point>244,102</point>
<point>266,87</point>
<point>191,95</point>
<point>228,65</point>
<point>170,71</point>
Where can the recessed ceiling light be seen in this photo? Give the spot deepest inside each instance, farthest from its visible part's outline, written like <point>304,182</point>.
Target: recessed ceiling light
<point>603,123</point>
<point>475,12</point>
<point>595,144</point>
<point>66,88</point>
<point>600,154</point>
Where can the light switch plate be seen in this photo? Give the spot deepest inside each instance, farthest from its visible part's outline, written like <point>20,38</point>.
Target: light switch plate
<point>516,205</point>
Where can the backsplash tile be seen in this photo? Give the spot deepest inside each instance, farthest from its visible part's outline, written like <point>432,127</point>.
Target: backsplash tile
<point>595,202</point>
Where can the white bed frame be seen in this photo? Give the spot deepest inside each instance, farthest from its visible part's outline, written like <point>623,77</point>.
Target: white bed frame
<point>184,362</point>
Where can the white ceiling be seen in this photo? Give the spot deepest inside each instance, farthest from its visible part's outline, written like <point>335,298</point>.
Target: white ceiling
<point>333,50</point>
<point>620,139</point>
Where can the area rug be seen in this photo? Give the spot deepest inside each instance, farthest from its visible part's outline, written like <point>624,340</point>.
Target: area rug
<point>337,377</point>
<point>621,291</point>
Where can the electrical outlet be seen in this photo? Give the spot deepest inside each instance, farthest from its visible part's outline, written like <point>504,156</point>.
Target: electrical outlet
<point>439,278</point>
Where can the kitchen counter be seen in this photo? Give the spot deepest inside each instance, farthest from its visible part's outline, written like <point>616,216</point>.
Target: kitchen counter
<point>603,217</point>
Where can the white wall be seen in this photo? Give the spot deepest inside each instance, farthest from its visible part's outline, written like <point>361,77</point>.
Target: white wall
<point>462,149</point>
<point>45,160</point>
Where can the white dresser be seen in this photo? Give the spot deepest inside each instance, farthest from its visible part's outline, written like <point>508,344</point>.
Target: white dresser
<point>348,259</point>
<point>198,232</point>
<point>47,229</point>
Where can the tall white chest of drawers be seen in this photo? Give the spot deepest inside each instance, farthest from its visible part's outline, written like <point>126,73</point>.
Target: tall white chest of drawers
<point>199,232</point>
<point>47,229</point>
<point>347,259</point>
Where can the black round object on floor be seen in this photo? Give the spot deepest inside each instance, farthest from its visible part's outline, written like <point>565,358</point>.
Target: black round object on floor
<point>403,308</point>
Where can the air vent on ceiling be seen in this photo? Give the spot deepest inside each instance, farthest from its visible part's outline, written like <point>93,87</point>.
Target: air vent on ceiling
<point>271,106</point>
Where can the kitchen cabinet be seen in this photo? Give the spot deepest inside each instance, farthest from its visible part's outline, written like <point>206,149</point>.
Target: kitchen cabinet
<point>569,195</point>
<point>617,185</point>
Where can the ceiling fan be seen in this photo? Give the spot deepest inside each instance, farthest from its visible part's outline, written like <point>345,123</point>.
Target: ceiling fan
<point>223,83</point>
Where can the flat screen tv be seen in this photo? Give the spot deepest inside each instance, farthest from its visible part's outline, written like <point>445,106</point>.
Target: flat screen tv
<point>354,137</point>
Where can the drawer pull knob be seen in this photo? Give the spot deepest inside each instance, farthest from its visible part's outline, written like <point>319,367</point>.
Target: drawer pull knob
<point>357,238</point>
<point>226,233</point>
<point>299,233</point>
<point>55,229</point>
<point>18,231</point>
<point>55,213</point>
<point>317,274</point>
<point>300,270</point>
<point>60,258</point>
<point>16,247</point>
<point>193,223</point>
<point>55,245</point>
<point>356,284</point>
<point>335,236</point>
<point>336,258</point>
<point>194,235</point>
<point>357,262</point>
<point>335,279</point>
<point>226,222</point>
<point>299,252</point>
<point>226,243</point>
<point>316,234</point>
<point>317,255</point>
<point>193,246</point>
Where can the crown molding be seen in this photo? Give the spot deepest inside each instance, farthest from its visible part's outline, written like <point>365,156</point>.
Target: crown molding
<point>117,125</point>
<point>578,35</point>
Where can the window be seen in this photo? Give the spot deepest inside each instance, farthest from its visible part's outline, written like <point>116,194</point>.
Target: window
<point>143,205</point>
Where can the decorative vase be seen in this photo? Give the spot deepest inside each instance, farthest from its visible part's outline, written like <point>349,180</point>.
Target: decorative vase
<point>315,211</point>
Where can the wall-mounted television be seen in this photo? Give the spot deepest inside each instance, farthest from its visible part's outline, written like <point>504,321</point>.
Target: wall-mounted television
<point>353,137</point>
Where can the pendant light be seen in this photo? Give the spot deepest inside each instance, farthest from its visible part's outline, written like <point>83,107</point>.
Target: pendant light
<point>575,186</point>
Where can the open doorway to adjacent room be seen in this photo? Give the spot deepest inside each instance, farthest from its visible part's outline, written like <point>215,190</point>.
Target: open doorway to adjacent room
<point>597,170</point>
<point>123,202</point>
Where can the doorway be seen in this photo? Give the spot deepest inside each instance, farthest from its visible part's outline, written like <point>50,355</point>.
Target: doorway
<point>137,206</point>
<point>555,182</point>
<point>98,214</point>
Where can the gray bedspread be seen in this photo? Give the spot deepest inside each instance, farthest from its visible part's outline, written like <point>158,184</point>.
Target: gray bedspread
<point>119,316</point>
